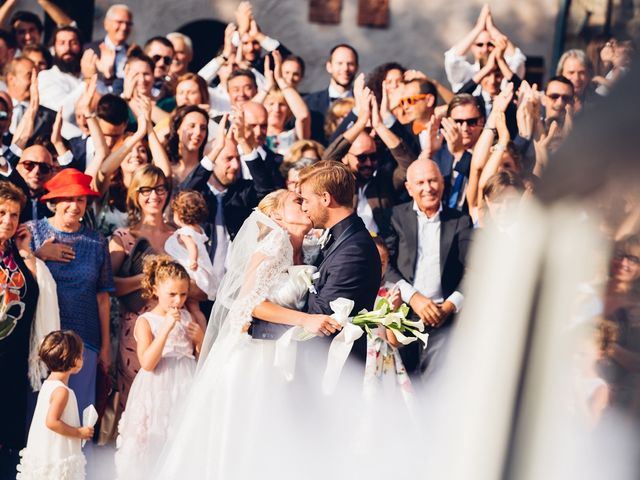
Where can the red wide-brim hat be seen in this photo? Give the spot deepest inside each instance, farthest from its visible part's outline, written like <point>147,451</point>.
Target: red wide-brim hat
<point>68,183</point>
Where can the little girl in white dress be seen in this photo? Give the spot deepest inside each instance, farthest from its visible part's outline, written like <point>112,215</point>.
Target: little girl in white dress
<point>167,343</point>
<point>54,450</point>
<point>187,244</point>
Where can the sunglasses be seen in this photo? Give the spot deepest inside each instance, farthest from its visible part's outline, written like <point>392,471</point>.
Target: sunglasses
<point>487,44</point>
<point>29,165</point>
<point>412,99</point>
<point>565,98</point>
<point>363,157</point>
<point>632,258</point>
<point>471,122</point>
<point>160,190</point>
<point>166,59</point>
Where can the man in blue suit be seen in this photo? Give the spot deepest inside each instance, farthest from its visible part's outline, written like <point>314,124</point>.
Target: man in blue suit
<point>342,66</point>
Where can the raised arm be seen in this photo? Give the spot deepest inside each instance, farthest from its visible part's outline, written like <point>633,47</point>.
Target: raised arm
<point>464,44</point>
<point>5,12</point>
<point>25,127</point>
<point>296,104</point>
<point>56,13</point>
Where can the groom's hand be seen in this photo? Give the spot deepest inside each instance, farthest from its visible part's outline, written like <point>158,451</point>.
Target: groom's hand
<point>320,324</point>
<point>426,309</point>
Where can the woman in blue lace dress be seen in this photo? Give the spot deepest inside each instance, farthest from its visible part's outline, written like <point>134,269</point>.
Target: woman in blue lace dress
<point>79,262</point>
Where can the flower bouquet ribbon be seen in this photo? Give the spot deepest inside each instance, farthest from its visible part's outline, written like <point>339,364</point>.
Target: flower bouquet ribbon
<point>286,347</point>
<point>406,332</point>
<point>341,345</point>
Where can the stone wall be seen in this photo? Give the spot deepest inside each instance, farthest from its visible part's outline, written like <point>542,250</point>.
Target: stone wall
<point>419,33</point>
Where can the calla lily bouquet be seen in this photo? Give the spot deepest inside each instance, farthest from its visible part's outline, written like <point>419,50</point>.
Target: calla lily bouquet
<point>406,331</point>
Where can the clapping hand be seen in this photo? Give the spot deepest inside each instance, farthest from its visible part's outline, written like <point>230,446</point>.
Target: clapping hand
<point>453,136</point>
<point>107,61</point>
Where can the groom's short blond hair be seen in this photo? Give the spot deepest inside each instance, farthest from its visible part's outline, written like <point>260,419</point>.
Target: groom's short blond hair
<point>332,177</point>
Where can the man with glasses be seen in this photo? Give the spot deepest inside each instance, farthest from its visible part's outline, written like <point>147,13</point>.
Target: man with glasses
<point>480,41</point>
<point>160,51</point>
<point>112,51</point>
<point>183,53</point>
<point>557,99</point>
<point>34,168</point>
<point>452,149</point>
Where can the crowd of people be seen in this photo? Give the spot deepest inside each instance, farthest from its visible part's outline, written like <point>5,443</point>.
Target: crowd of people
<point>125,179</point>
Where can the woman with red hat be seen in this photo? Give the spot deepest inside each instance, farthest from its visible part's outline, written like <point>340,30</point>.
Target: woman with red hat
<point>83,276</point>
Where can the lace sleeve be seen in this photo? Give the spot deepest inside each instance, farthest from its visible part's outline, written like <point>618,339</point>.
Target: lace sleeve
<point>270,260</point>
<point>258,256</point>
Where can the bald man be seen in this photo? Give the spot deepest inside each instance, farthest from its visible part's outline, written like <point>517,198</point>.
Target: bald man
<point>428,246</point>
<point>33,168</point>
<point>255,120</point>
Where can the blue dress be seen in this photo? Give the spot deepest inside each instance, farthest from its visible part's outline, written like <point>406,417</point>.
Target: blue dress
<point>79,282</point>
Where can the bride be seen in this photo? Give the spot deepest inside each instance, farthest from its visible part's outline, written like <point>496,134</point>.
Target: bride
<point>228,426</point>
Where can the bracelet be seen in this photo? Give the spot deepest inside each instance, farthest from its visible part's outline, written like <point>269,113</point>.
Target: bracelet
<point>28,256</point>
<point>498,147</point>
<point>494,130</point>
<point>90,115</point>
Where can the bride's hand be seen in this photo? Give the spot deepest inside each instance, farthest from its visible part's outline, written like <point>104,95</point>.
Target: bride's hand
<point>320,324</point>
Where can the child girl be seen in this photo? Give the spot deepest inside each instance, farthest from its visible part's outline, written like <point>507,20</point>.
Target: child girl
<point>384,369</point>
<point>168,342</point>
<point>54,448</point>
<point>187,243</point>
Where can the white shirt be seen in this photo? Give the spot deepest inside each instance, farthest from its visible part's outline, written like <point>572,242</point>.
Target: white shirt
<point>19,108</point>
<point>364,210</point>
<point>459,70</point>
<point>426,279</point>
<point>58,89</point>
<point>252,155</point>
<point>333,93</point>
<point>121,56</point>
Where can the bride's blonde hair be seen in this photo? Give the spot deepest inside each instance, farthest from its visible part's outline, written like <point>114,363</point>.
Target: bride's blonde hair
<point>273,203</point>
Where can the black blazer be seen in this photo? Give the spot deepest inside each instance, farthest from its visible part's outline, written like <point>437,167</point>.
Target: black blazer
<point>318,104</point>
<point>455,238</point>
<point>272,163</point>
<point>34,209</point>
<point>238,203</point>
<point>348,267</point>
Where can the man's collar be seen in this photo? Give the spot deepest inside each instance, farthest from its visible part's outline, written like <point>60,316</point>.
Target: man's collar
<point>333,93</point>
<point>420,213</point>
<point>111,45</point>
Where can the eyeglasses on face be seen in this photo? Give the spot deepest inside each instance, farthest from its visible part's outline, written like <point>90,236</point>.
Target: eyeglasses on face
<point>165,59</point>
<point>412,99</point>
<point>620,256</point>
<point>159,189</point>
<point>556,96</point>
<point>363,157</point>
<point>29,165</point>
<point>471,122</point>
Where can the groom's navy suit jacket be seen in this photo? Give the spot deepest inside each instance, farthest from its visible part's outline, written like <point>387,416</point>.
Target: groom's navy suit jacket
<point>349,267</point>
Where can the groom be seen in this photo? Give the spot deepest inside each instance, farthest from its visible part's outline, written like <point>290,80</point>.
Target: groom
<point>349,263</point>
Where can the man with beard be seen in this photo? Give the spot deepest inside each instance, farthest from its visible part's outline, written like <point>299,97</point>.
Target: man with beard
<point>62,85</point>
<point>342,66</point>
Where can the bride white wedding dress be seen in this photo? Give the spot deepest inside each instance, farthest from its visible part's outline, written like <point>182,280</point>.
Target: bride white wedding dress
<point>227,427</point>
